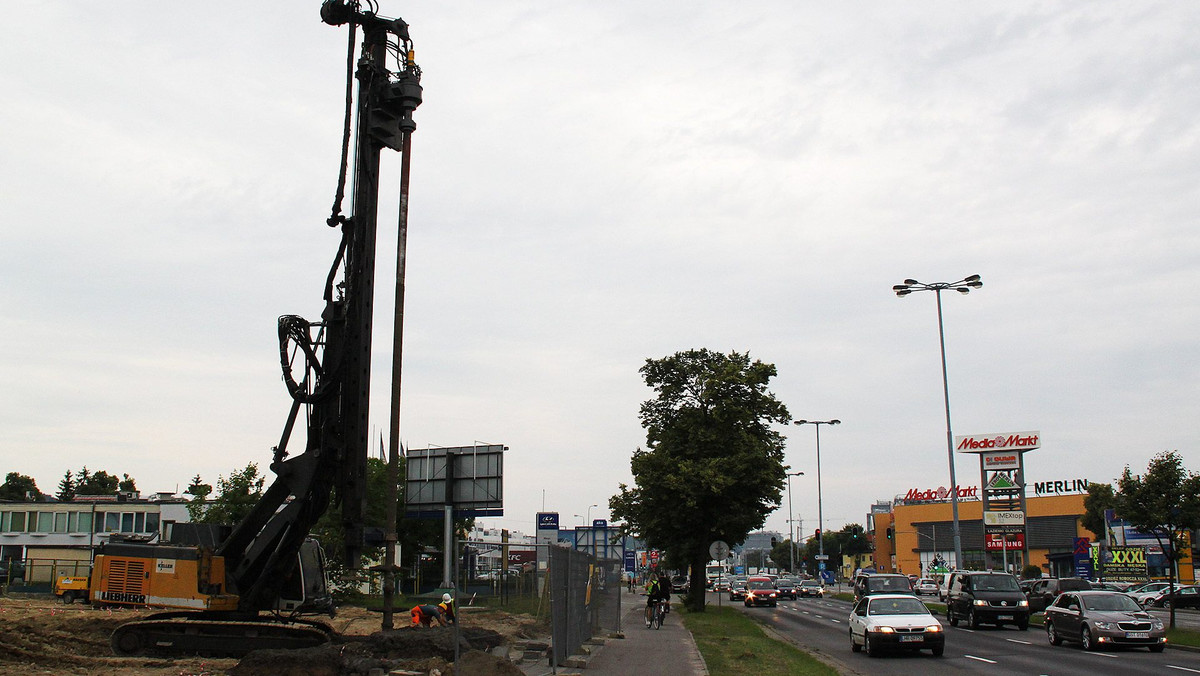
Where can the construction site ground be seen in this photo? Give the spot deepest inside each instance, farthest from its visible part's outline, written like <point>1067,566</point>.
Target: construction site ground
<point>45,636</point>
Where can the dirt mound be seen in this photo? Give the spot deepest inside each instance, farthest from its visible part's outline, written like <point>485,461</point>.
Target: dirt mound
<point>408,648</point>
<point>42,636</point>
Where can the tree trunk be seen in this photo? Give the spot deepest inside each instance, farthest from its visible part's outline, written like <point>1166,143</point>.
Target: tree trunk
<point>696,581</point>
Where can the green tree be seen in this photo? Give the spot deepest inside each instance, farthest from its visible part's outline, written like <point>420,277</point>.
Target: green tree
<point>852,540</point>
<point>19,488</point>
<point>199,492</point>
<point>713,468</point>
<point>98,483</point>
<point>781,554</point>
<point>127,483</point>
<point>66,488</point>
<point>1163,502</point>
<point>236,496</point>
<point>1099,498</point>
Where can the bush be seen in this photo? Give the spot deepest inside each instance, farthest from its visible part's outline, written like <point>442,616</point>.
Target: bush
<point>1031,572</point>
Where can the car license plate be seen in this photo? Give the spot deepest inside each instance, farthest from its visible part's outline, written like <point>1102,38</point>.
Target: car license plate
<point>1137,634</point>
<point>1004,617</point>
<point>914,638</point>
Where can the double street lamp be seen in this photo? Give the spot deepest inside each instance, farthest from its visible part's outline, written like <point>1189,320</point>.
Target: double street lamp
<point>791,532</point>
<point>820,516</point>
<point>962,286</point>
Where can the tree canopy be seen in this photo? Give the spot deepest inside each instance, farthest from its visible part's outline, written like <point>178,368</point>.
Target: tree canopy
<point>236,496</point>
<point>713,467</point>
<point>20,488</point>
<point>1164,502</point>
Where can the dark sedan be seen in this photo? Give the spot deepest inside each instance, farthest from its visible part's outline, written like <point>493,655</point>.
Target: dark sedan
<point>1184,597</point>
<point>787,589</point>
<point>1103,618</point>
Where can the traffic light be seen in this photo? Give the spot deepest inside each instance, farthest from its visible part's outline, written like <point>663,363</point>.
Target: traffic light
<point>817,534</point>
<point>772,543</point>
<point>890,532</point>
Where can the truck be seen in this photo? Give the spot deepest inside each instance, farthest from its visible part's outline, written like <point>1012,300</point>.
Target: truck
<point>252,589</point>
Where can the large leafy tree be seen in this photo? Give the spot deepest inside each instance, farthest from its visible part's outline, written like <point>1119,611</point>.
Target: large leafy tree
<point>96,483</point>
<point>1164,502</point>
<point>713,467</point>
<point>20,488</point>
<point>236,496</point>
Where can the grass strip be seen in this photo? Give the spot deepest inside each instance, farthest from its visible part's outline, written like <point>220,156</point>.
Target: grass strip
<point>734,645</point>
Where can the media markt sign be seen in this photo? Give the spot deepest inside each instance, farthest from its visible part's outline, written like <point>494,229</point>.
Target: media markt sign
<point>1003,441</point>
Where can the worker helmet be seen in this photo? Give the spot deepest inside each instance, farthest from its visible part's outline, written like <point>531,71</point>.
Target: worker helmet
<point>445,598</point>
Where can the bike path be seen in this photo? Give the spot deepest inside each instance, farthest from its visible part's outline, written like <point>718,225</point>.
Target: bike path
<point>668,651</point>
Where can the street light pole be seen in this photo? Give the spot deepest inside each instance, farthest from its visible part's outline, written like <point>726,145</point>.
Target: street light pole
<point>791,531</point>
<point>962,286</point>
<point>820,515</point>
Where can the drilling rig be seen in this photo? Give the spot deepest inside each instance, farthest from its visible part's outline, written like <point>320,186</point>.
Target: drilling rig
<point>251,590</point>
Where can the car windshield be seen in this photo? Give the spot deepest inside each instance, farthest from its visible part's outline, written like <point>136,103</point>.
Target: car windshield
<point>810,583</point>
<point>761,584</point>
<point>897,607</point>
<point>1117,602</point>
<point>996,583</point>
<point>891,584</point>
<point>784,583</point>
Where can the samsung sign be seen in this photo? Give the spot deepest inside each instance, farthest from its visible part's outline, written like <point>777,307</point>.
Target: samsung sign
<point>1004,441</point>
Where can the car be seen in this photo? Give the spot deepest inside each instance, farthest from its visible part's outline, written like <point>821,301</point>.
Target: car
<point>737,591</point>
<point>1046,589</point>
<point>1116,586</point>
<point>986,597</point>
<point>1101,618</point>
<point>1147,592</point>
<point>760,591</point>
<point>1183,597</point>
<point>679,584</point>
<point>866,584</point>
<point>12,570</point>
<point>925,585</point>
<point>787,589</point>
<point>721,585</point>
<point>812,588</point>
<point>881,622</point>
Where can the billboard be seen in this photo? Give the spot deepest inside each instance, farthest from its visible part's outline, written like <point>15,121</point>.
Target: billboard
<point>468,478</point>
<point>1125,563</point>
<point>1002,441</point>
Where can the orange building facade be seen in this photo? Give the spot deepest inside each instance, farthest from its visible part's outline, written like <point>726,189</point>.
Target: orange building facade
<point>915,536</point>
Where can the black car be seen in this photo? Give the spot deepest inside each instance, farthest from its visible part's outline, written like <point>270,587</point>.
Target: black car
<point>786,588</point>
<point>1044,591</point>
<point>867,584</point>
<point>983,597</point>
<point>1183,597</point>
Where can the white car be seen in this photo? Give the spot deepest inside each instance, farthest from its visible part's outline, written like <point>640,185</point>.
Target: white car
<point>925,585</point>
<point>894,622</point>
<point>1147,593</point>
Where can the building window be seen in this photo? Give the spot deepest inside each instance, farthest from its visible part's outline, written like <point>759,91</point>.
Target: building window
<point>60,522</point>
<point>127,522</point>
<point>85,523</point>
<point>18,522</point>
<point>45,522</point>
<point>151,522</point>
<point>5,522</point>
<point>112,522</point>
<point>139,522</point>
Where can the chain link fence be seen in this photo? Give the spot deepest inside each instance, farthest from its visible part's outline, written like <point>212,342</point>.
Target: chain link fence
<point>585,599</point>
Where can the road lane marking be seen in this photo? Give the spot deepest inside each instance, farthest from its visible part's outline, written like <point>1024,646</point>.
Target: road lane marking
<point>837,621</point>
<point>1172,666</point>
<point>981,659</point>
<point>1111,657</point>
<point>1013,640</point>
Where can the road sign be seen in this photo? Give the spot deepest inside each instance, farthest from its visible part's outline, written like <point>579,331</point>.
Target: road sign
<point>719,551</point>
<point>822,557</point>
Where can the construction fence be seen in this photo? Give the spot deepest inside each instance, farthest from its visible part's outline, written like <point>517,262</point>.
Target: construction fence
<point>585,599</point>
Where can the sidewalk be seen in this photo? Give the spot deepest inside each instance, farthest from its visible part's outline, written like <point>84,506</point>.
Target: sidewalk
<point>669,651</point>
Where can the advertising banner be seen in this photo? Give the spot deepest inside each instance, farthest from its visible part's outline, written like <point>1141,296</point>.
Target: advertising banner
<point>995,542</point>
<point>1003,441</point>
<point>1124,563</point>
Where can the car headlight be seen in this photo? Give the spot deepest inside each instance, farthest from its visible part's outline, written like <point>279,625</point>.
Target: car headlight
<point>1157,624</point>
<point>933,628</point>
<point>1023,603</point>
<point>980,602</point>
<point>1106,626</point>
<point>885,630</point>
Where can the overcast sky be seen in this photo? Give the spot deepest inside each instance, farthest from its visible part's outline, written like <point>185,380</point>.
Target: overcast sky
<point>595,184</point>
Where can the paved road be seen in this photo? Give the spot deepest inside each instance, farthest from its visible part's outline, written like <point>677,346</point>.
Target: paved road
<point>819,626</point>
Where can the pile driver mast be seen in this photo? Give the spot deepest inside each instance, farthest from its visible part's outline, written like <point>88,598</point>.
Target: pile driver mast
<point>326,366</point>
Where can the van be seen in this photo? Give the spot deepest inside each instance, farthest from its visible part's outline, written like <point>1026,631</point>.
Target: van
<point>866,584</point>
<point>986,597</point>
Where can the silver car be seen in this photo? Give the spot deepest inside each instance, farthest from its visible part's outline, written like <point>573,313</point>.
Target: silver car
<point>1103,618</point>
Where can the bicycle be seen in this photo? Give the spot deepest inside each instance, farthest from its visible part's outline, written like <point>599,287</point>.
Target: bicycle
<point>656,615</point>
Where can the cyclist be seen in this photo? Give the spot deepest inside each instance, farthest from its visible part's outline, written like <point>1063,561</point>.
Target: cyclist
<point>655,593</point>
